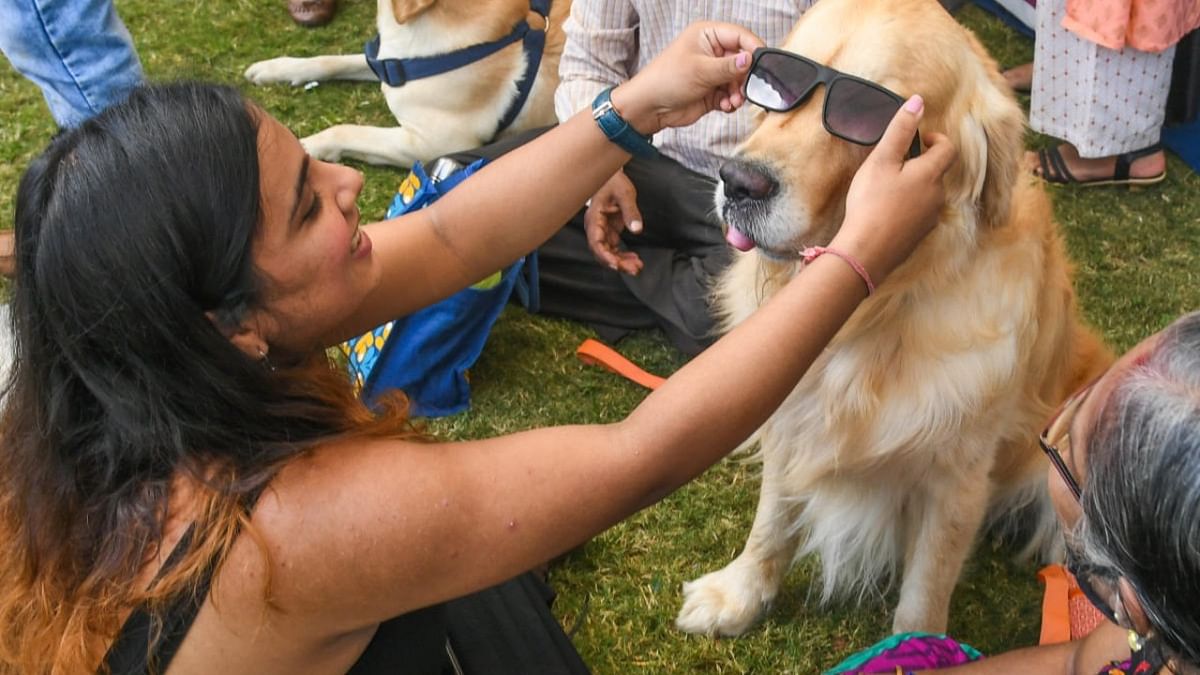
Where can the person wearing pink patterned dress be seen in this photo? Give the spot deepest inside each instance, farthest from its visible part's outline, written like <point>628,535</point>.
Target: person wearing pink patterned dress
<point>1099,80</point>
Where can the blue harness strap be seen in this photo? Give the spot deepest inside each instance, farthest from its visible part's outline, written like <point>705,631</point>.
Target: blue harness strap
<point>398,72</point>
<point>535,43</point>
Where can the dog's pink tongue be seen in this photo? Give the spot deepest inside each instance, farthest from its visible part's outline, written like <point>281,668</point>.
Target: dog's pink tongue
<point>738,239</point>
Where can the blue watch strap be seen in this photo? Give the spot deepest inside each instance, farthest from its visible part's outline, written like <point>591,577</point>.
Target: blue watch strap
<point>618,130</point>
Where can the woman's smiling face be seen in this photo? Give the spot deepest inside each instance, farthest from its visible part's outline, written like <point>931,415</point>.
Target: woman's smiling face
<point>314,258</point>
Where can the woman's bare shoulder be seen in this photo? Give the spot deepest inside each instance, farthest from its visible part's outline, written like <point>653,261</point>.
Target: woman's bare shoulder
<point>318,529</point>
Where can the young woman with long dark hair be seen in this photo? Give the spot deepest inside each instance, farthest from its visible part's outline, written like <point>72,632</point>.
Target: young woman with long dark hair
<point>187,485</point>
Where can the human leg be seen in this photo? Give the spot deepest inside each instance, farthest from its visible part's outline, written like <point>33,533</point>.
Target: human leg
<point>1054,165</point>
<point>1020,78</point>
<point>571,283</point>
<point>681,245</point>
<point>509,628</point>
<point>1104,103</point>
<point>77,51</point>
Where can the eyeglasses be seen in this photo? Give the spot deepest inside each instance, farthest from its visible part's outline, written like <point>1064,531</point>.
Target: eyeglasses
<point>1057,438</point>
<point>856,110</point>
<point>1096,583</point>
<point>1092,580</point>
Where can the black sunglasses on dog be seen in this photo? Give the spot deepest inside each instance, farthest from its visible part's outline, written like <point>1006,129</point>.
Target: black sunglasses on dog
<point>856,110</point>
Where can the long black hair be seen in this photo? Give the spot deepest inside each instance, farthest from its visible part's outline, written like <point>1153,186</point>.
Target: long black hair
<point>134,235</point>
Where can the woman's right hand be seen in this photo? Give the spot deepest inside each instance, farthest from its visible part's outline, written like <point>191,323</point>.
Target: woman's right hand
<point>701,70</point>
<point>893,202</point>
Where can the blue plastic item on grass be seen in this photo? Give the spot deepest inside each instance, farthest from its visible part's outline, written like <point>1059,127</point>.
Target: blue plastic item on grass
<point>1184,139</point>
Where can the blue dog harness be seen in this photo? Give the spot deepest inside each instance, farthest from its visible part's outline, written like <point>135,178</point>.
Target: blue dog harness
<point>397,72</point>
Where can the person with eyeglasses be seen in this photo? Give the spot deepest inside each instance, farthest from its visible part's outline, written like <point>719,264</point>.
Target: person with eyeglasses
<point>188,484</point>
<point>1124,476</point>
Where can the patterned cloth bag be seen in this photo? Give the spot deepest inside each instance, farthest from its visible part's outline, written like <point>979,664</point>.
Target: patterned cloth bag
<point>907,652</point>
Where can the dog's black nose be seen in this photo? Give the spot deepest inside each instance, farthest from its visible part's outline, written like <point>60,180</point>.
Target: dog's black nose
<point>744,180</point>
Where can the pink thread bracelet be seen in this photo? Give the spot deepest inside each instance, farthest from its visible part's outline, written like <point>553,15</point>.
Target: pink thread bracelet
<point>813,252</point>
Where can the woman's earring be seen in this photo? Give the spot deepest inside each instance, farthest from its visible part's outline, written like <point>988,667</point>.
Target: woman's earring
<point>1136,642</point>
<point>264,360</point>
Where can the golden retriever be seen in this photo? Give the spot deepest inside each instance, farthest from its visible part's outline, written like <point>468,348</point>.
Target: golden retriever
<point>451,111</point>
<point>922,416</point>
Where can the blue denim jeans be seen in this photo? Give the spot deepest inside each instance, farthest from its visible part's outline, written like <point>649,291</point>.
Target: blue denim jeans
<point>77,51</point>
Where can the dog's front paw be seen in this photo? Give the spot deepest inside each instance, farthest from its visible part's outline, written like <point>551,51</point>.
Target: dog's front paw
<point>323,145</point>
<point>726,602</point>
<point>283,69</point>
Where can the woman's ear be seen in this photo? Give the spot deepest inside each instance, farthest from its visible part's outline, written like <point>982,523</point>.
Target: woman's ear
<point>1133,608</point>
<point>246,335</point>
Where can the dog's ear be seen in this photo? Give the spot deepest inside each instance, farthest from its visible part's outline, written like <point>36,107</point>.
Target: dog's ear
<point>406,10</point>
<point>991,141</point>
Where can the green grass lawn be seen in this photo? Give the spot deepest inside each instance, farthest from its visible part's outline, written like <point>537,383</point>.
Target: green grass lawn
<point>1135,254</point>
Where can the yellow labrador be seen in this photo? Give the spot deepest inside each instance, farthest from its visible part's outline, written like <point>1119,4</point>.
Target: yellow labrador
<point>922,416</point>
<point>454,110</point>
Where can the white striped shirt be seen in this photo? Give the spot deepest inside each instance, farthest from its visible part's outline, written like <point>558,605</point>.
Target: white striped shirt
<point>610,40</point>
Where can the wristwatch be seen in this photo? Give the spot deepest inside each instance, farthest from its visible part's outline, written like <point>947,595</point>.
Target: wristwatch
<point>618,130</point>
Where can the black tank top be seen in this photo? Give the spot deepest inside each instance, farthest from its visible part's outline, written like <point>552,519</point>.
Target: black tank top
<point>411,643</point>
<point>502,630</point>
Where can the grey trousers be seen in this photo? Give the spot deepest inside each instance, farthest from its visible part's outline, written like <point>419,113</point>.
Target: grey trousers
<point>681,244</point>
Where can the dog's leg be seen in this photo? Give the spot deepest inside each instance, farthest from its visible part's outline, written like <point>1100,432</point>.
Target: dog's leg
<point>729,601</point>
<point>940,536</point>
<point>301,71</point>
<point>393,146</point>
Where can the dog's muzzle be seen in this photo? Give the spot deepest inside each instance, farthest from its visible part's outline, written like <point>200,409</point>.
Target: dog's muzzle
<point>748,188</point>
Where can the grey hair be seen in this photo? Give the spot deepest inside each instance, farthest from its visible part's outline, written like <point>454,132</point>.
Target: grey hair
<point>1141,504</point>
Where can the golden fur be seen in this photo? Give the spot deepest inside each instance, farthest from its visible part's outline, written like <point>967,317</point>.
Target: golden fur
<point>452,111</point>
<point>922,416</point>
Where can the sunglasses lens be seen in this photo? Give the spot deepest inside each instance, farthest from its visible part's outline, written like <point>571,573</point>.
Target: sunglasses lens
<point>858,112</point>
<point>778,82</point>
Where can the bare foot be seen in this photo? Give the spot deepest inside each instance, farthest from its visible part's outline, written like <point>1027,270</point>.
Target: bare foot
<point>1020,78</point>
<point>8,261</point>
<point>1092,169</point>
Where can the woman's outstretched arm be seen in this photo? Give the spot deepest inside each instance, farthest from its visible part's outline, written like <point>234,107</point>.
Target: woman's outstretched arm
<point>1086,656</point>
<point>424,523</point>
<point>517,202</point>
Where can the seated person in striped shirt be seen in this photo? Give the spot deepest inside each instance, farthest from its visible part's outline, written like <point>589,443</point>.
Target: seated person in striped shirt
<point>644,251</point>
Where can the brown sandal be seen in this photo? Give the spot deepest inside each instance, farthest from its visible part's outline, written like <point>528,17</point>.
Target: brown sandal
<point>312,13</point>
